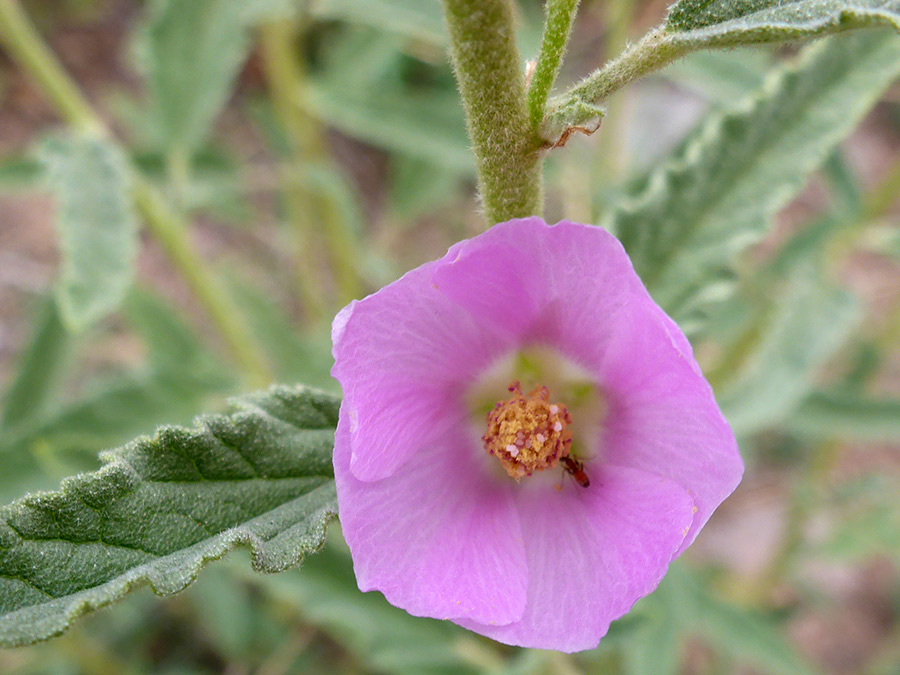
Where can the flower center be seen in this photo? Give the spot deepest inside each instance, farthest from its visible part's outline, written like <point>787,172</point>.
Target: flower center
<point>528,433</point>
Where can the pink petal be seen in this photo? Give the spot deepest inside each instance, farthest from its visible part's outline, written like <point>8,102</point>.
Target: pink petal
<point>663,417</point>
<point>592,552</point>
<point>401,356</point>
<point>543,284</point>
<point>572,287</point>
<point>439,538</point>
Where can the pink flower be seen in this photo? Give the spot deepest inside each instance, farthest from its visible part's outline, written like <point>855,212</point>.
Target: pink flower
<point>526,441</point>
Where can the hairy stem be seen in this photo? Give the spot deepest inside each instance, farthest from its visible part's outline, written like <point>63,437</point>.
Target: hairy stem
<point>577,106</point>
<point>560,14</point>
<point>490,78</point>
<point>25,45</point>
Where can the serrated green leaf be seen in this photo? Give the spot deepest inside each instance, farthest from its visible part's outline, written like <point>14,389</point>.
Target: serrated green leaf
<point>730,22</point>
<point>847,415</point>
<point>810,322</point>
<point>162,507</point>
<point>684,230</point>
<point>39,369</point>
<point>96,224</point>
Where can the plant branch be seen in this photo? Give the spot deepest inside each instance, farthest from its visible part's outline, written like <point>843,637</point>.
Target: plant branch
<point>26,46</point>
<point>558,27</point>
<point>489,74</point>
<point>580,105</point>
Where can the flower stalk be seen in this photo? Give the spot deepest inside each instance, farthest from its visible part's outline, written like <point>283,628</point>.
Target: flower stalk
<point>558,27</point>
<point>492,84</point>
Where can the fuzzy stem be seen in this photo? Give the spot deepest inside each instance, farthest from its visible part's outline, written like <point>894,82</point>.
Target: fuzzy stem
<point>655,50</point>
<point>490,78</point>
<point>24,44</point>
<point>560,14</point>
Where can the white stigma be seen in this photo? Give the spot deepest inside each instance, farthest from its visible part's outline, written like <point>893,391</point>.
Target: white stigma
<point>512,450</point>
<point>553,410</point>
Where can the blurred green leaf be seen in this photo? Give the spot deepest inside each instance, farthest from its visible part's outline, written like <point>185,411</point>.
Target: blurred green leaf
<point>172,347</point>
<point>867,520</point>
<point>20,173</point>
<point>846,415</point>
<point>297,355</point>
<point>685,603</point>
<point>97,227</point>
<point>194,49</point>
<point>807,325</point>
<point>214,184</point>
<point>165,505</point>
<point>654,648</point>
<point>425,125</point>
<point>64,437</point>
<point>722,77</point>
<point>418,187</point>
<point>39,370</point>
<point>698,211</point>
<point>419,19</point>
<point>733,22</point>
<point>746,636</point>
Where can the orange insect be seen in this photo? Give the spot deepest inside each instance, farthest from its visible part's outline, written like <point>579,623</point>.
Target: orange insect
<point>575,469</point>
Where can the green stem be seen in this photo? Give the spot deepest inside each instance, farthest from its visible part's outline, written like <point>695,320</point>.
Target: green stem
<point>560,14</point>
<point>171,232</point>
<point>577,106</point>
<point>490,78</point>
<point>308,209</point>
<point>282,74</point>
<point>23,43</point>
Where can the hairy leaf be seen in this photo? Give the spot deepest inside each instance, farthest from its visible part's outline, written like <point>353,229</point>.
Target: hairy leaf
<point>97,227</point>
<point>730,22</point>
<point>163,506</point>
<point>684,229</point>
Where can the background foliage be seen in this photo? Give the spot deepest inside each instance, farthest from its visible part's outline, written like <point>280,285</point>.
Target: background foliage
<point>252,165</point>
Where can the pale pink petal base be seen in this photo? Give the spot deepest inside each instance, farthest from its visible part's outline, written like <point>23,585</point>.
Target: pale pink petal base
<point>438,538</point>
<point>591,554</point>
